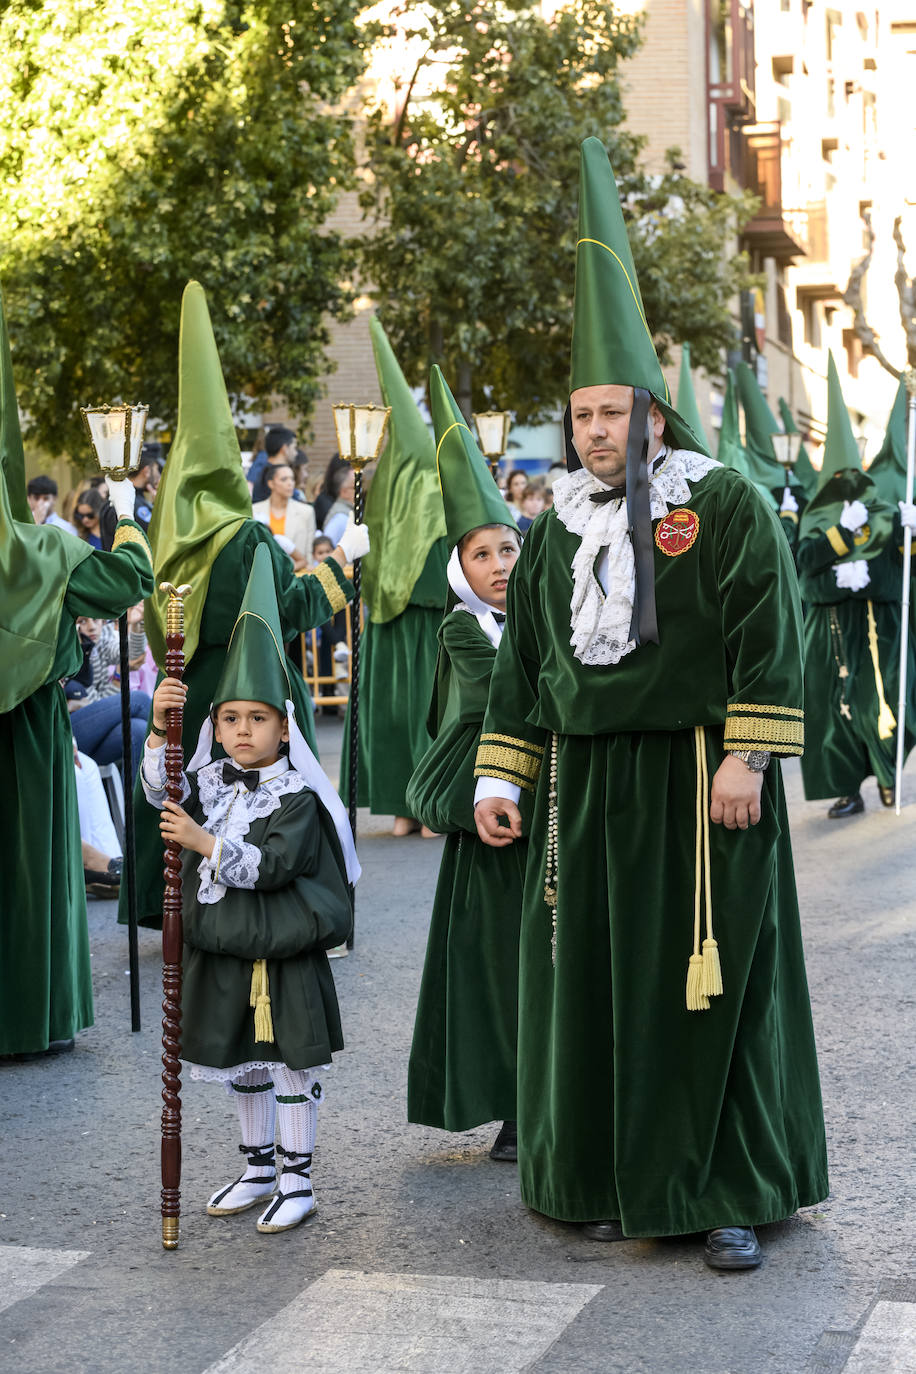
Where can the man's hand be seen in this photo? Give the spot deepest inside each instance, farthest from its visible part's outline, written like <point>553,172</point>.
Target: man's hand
<point>735,797</point>
<point>176,827</point>
<point>487,814</point>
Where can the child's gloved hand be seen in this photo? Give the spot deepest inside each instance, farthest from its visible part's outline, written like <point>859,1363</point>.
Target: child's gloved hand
<point>354,541</point>
<point>176,827</point>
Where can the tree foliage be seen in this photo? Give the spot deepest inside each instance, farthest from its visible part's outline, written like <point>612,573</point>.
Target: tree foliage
<point>152,141</point>
<point>472,195</point>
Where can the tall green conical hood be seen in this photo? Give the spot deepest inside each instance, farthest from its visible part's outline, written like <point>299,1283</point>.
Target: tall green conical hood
<point>203,497</point>
<point>255,666</point>
<point>404,505</point>
<point>469,493</point>
<point>841,452</point>
<point>35,563</point>
<point>888,467</point>
<point>759,424</point>
<point>687,398</point>
<point>802,468</point>
<point>611,342</point>
<point>731,450</point>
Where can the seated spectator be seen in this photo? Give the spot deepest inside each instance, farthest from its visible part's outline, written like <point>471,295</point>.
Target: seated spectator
<point>87,513</point>
<point>102,857</point>
<point>532,505</point>
<point>293,519</point>
<point>41,493</point>
<point>94,693</point>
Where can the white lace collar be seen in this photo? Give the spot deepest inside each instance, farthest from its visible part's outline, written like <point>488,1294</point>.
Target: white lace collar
<point>600,622</point>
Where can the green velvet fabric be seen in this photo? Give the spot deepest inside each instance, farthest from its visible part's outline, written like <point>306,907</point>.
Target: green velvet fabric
<point>45,974</point>
<point>687,399</point>
<point>303,605</point>
<point>397,665</point>
<point>760,424</point>
<point>823,513</point>
<point>611,341</point>
<point>462,1068</point>
<point>802,467</point>
<point>255,667</point>
<point>841,452</point>
<point>731,450</point>
<point>203,497</point>
<point>629,1106</point>
<point>842,708</point>
<point>888,467</point>
<point>404,505</point>
<point>299,907</point>
<point>469,493</point>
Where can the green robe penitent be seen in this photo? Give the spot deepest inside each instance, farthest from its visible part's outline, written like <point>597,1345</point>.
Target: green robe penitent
<point>462,1067</point>
<point>304,603</point>
<point>629,1105</point>
<point>45,976</point>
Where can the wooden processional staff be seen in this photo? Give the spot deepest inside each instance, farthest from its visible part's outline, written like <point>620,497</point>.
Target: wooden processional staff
<point>172,937</point>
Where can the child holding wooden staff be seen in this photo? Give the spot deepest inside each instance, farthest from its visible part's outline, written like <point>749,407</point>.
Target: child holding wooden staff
<point>267,874</point>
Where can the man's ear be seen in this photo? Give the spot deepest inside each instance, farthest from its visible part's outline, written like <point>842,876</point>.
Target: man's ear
<point>657,420</point>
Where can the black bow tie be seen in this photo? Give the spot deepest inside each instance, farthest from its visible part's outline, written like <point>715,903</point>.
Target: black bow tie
<point>601,498</point>
<point>499,617</point>
<point>232,775</point>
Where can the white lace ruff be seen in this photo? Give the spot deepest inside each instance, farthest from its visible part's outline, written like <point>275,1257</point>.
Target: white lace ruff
<point>204,1073</point>
<point>600,621</point>
<point>231,809</point>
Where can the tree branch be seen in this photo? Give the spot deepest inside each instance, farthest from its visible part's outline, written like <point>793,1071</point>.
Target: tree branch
<point>906,294</point>
<point>852,296</point>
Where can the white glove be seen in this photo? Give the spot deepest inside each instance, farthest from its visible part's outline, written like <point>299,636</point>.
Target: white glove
<point>852,577</point>
<point>789,502</point>
<point>855,513</point>
<point>907,515</point>
<point>122,495</point>
<point>354,541</point>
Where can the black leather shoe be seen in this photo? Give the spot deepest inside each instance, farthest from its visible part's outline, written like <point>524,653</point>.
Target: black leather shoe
<point>732,1247</point>
<point>602,1230</point>
<point>105,884</point>
<point>846,806</point>
<point>887,795</point>
<point>505,1146</point>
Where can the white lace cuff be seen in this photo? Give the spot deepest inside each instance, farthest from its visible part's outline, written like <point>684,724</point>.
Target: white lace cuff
<point>234,863</point>
<point>153,779</point>
<point>495,787</point>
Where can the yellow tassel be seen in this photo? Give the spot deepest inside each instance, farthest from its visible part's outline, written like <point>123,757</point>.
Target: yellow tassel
<point>696,998</point>
<point>712,969</point>
<point>260,1000</point>
<point>887,721</point>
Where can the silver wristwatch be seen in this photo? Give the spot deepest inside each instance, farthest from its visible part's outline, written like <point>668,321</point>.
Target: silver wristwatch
<point>757,760</point>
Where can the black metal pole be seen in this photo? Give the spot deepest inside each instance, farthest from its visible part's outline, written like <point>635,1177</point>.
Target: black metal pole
<point>129,867</point>
<point>354,676</point>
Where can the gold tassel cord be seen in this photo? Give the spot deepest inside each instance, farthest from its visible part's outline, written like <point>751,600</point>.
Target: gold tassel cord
<point>260,1000</point>
<point>696,998</point>
<point>712,968</point>
<point>887,721</point>
<point>704,970</point>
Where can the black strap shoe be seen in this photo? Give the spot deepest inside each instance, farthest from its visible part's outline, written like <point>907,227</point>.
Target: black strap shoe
<point>732,1247</point>
<point>846,806</point>
<point>602,1230</point>
<point>887,794</point>
<point>505,1146</point>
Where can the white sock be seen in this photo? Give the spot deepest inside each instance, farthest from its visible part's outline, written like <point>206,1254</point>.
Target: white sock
<point>297,1113</point>
<point>256,1100</point>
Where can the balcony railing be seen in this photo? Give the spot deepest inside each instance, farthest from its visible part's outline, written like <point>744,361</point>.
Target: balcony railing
<point>774,232</point>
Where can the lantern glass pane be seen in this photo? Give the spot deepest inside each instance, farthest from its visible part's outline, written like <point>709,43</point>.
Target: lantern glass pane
<point>138,416</point>
<point>107,430</point>
<point>781,448</point>
<point>344,436</point>
<point>370,429</point>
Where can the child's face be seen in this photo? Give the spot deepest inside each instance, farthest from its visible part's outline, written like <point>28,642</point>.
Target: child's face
<point>251,732</point>
<point>487,558</point>
<point>321,548</point>
<point>533,504</point>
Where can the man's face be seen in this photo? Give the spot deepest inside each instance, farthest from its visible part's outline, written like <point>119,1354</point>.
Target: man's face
<point>600,424</point>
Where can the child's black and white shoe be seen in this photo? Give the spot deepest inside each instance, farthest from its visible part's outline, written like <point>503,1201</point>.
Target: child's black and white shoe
<point>257,1183</point>
<point>292,1205</point>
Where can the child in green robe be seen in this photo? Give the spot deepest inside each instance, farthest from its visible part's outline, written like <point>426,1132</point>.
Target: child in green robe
<point>266,880</point>
<point>463,1060</point>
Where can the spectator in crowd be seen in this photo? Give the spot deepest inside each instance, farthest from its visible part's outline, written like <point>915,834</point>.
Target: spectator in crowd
<point>332,635</point>
<point>335,522</point>
<point>94,694</point>
<point>42,496</point>
<point>280,446</point>
<point>327,493</point>
<point>144,481</point>
<point>87,513</point>
<point>102,859</point>
<point>532,505</point>
<point>293,519</point>
<point>516,483</point>
<point>301,474</point>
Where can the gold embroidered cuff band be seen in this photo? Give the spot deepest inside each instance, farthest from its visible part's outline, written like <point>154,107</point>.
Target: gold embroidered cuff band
<point>332,589</point>
<point>513,760</point>
<point>779,729</point>
<point>837,542</point>
<point>131,534</point>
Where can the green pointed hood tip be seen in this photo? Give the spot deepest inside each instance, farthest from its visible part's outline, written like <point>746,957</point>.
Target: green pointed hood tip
<point>687,397</point>
<point>611,341</point>
<point>469,493</point>
<point>841,452</point>
<point>255,664</point>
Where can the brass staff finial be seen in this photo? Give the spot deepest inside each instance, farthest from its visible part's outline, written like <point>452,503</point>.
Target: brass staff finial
<point>174,615</point>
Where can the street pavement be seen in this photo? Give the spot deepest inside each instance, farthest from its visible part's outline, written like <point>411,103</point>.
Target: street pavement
<point>422,1257</point>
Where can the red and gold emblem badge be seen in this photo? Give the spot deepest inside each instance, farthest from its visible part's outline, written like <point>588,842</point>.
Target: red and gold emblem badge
<point>677,532</point>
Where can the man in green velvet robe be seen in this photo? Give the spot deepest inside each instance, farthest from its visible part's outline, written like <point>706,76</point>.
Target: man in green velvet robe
<point>202,533</point>
<point>462,1069</point>
<point>650,669</point>
<point>404,588</point>
<point>47,580</point>
<point>850,568</point>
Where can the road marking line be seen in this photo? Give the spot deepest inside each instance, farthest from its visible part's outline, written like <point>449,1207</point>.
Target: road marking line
<point>348,1322</point>
<point>887,1341</point>
<point>24,1270</point>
